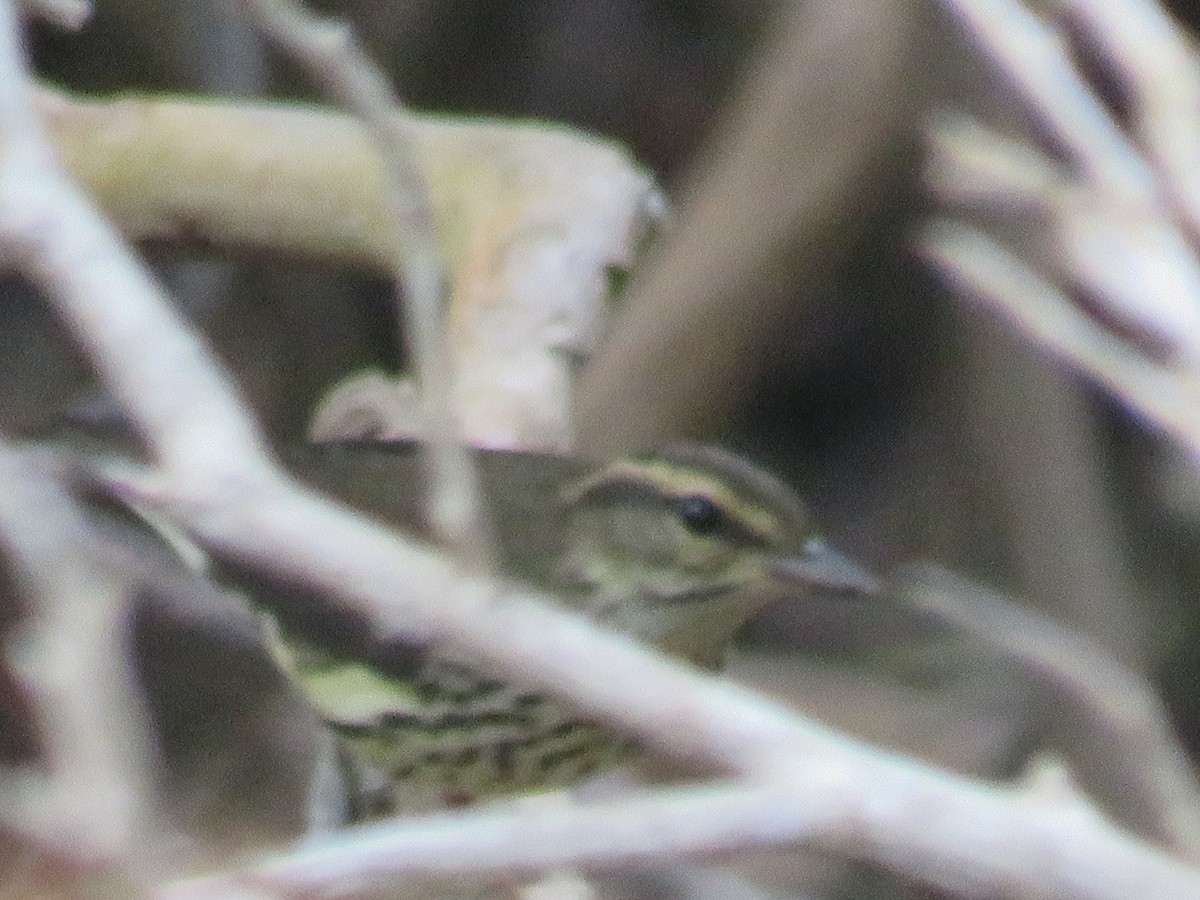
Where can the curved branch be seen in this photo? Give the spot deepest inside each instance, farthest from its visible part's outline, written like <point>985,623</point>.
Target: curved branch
<point>911,818</point>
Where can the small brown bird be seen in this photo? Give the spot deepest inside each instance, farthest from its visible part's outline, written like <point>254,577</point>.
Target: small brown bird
<point>677,549</point>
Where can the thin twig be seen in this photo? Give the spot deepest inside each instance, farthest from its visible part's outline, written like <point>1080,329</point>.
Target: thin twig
<point>979,267</point>
<point>1034,57</point>
<point>1158,66</point>
<point>329,52</point>
<point>1131,259</point>
<point>1126,715</point>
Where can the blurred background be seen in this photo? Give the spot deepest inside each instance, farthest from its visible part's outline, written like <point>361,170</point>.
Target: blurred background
<point>919,428</point>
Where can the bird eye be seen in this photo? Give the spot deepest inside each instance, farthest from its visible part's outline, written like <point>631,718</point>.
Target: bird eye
<point>698,514</point>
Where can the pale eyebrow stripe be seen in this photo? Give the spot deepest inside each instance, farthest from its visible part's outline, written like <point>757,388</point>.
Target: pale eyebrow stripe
<point>656,478</point>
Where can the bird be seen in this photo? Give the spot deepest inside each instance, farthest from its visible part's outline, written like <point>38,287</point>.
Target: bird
<point>676,549</point>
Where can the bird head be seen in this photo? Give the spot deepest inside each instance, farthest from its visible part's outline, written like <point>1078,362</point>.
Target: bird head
<point>681,547</point>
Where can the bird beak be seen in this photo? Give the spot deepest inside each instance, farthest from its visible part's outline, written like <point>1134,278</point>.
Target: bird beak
<point>818,566</point>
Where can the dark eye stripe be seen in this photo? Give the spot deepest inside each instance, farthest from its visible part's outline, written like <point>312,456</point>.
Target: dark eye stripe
<point>619,490</point>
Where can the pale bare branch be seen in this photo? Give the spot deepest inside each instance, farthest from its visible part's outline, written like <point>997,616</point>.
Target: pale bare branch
<point>682,713</point>
<point>1158,67</point>
<point>1126,718</point>
<point>1035,58</point>
<point>328,51</point>
<point>860,806</point>
<point>88,801</point>
<point>802,782</point>
<point>980,268</point>
<point>532,218</point>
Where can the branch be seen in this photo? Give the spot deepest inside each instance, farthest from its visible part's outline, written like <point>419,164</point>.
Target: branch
<point>91,804</point>
<point>1158,67</point>
<point>686,715</point>
<point>531,218</point>
<point>980,268</point>
<point>1127,720</point>
<point>804,781</point>
<point>330,54</point>
<point>969,837</point>
<point>1036,60</point>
